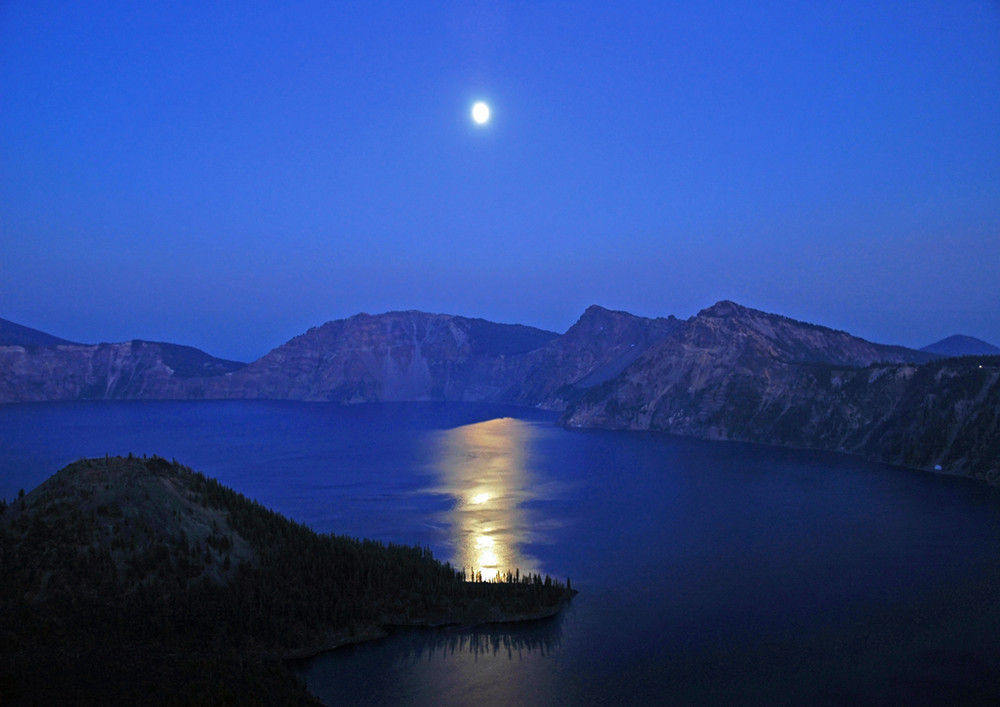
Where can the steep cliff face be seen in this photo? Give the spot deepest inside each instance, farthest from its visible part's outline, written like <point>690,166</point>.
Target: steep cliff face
<point>393,356</point>
<point>598,347</point>
<point>947,414</point>
<point>735,373</point>
<point>684,382</point>
<point>729,372</point>
<point>130,370</point>
<point>420,356</point>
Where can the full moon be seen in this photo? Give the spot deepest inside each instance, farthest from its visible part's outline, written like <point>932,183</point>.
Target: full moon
<point>480,112</point>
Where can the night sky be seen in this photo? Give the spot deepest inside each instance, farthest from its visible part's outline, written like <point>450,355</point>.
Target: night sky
<point>227,175</point>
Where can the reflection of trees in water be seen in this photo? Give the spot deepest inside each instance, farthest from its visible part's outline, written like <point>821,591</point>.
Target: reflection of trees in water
<point>513,640</point>
<point>436,666</point>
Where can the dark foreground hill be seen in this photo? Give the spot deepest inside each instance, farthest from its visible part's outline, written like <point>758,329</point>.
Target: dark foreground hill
<point>138,581</point>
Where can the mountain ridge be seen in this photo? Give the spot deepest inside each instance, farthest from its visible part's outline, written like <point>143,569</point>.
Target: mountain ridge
<point>129,370</point>
<point>728,372</point>
<point>738,374</point>
<point>14,334</point>
<point>403,355</point>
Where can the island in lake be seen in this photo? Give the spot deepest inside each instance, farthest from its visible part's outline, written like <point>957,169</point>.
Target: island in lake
<point>138,580</point>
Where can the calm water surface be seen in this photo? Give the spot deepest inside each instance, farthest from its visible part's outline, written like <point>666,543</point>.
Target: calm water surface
<point>709,573</point>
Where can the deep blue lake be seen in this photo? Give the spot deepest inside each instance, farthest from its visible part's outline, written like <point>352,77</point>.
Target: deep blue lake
<point>709,573</point>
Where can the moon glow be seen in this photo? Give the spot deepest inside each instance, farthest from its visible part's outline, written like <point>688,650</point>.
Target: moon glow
<point>480,112</point>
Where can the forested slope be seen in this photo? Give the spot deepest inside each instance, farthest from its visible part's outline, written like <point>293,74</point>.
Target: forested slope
<point>133,580</point>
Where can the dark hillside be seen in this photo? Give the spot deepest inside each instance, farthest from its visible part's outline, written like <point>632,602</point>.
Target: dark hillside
<point>12,334</point>
<point>495,339</point>
<point>959,345</point>
<point>140,581</point>
<point>189,362</point>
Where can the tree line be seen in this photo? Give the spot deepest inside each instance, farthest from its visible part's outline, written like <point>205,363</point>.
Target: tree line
<point>84,583</point>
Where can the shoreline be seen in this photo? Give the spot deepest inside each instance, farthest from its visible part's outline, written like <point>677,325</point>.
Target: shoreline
<point>372,632</point>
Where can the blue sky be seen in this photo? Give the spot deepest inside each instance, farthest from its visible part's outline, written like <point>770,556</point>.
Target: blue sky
<point>226,175</point>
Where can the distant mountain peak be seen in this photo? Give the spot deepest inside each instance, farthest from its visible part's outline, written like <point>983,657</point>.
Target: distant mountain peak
<point>727,309</point>
<point>962,345</point>
<point>724,308</point>
<point>596,311</point>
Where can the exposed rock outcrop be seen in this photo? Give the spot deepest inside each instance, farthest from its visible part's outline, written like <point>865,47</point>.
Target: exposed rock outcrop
<point>740,374</point>
<point>126,371</point>
<point>729,372</point>
<point>394,356</point>
<point>598,347</point>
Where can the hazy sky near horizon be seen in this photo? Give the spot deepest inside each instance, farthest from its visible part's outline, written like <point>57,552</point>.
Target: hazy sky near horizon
<point>226,175</point>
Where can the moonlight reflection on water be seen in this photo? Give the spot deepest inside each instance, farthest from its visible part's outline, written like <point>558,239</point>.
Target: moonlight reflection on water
<point>709,573</point>
<point>485,468</point>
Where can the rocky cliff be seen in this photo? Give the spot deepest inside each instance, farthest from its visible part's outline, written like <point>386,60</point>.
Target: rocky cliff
<point>126,371</point>
<point>729,372</point>
<point>735,373</point>
<point>691,377</point>
<point>366,358</point>
<point>598,347</point>
<point>394,356</point>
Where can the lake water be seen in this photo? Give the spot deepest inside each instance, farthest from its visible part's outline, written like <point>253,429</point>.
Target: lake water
<point>709,573</point>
